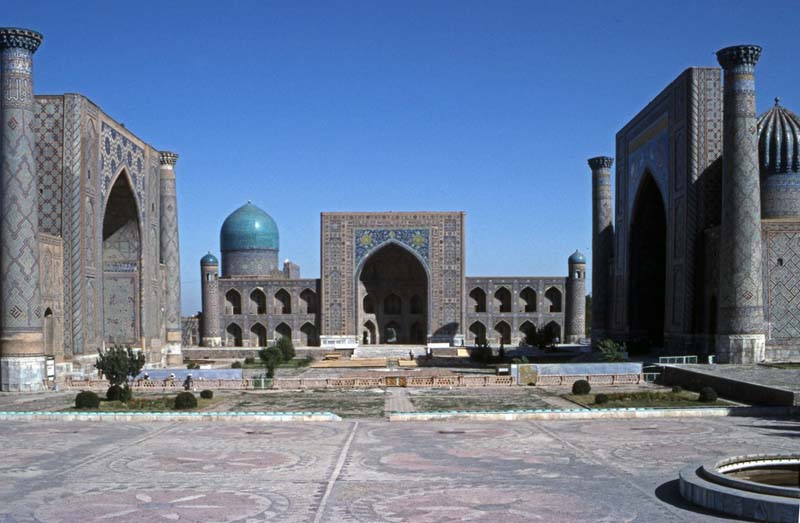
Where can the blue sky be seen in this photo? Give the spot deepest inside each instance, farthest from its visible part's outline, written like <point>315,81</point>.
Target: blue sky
<point>488,107</point>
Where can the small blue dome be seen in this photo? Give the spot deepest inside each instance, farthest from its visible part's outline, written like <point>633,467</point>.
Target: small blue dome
<point>248,228</point>
<point>577,257</point>
<point>209,259</point>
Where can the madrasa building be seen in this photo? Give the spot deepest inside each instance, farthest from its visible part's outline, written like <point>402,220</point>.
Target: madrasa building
<point>700,249</point>
<point>88,232</point>
<point>387,278</point>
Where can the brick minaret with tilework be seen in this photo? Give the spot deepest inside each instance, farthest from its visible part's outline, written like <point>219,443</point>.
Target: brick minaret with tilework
<point>210,334</point>
<point>170,256</point>
<point>575,318</point>
<point>21,340</point>
<point>602,244</point>
<point>741,309</point>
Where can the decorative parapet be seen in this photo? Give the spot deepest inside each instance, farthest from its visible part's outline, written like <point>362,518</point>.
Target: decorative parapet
<point>601,163</point>
<point>168,158</point>
<point>17,38</point>
<point>739,55</point>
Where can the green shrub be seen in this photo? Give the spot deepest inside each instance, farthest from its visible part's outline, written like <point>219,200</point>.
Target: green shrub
<point>236,365</point>
<point>249,360</point>
<point>581,388</point>
<point>185,401</point>
<point>193,366</point>
<point>601,398</point>
<point>125,394</point>
<point>206,394</point>
<point>271,357</point>
<point>286,347</point>
<point>611,350</point>
<point>87,399</point>
<point>119,364</point>
<point>707,395</point>
<point>113,393</point>
<point>677,389</point>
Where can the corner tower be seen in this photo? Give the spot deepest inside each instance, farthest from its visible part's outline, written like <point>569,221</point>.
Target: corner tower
<point>170,255</point>
<point>575,319</point>
<point>741,306</point>
<point>210,334</point>
<point>21,341</point>
<point>602,244</point>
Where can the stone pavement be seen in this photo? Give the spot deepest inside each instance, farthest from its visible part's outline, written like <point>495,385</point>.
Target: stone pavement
<point>368,471</point>
<point>397,401</point>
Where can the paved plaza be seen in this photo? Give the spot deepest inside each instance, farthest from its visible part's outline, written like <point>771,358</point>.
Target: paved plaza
<point>368,470</point>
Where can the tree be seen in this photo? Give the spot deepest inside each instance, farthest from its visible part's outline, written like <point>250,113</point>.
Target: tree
<point>611,350</point>
<point>286,347</point>
<point>271,357</point>
<point>119,364</point>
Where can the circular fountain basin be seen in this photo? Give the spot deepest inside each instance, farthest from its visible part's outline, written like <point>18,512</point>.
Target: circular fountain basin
<point>760,487</point>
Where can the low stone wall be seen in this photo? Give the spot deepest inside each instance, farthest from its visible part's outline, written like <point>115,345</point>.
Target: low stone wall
<point>258,417</point>
<point>581,414</point>
<point>393,381</point>
<point>734,389</point>
<point>161,385</point>
<point>593,379</point>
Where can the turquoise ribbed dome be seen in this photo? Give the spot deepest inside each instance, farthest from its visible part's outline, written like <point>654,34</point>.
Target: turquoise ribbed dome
<point>249,228</point>
<point>209,259</point>
<point>577,257</point>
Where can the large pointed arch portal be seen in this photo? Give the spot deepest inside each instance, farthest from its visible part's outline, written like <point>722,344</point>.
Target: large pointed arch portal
<point>396,284</point>
<point>647,264</point>
<point>122,248</point>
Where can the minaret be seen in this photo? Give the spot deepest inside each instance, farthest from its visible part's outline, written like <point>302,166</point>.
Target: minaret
<point>170,256</point>
<point>602,244</point>
<point>575,318</point>
<point>741,306</point>
<point>21,340</point>
<point>210,335</point>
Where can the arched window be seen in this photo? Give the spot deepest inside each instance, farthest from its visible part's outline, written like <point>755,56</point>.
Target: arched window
<point>233,303</point>
<point>308,335</point>
<point>283,331</point>
<point>528,331</point>
<point>503,332</point>
<point>391,333</point>
<point>368,336</point>
<point>233,336</point>
<point>258,335</point>
<point>553,298</point>
<point>477,332</point>
<point>369,304</point>
<point>309,298</point>
<point>392,304</point>
<point>502,298</point>
<point>283,302</point>
<point>528,297</point>
<point>258,302</point>
<point>478,297</point>
<point>552,332</point>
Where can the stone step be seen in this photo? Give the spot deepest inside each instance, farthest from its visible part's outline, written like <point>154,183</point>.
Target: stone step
<point>394,352</point>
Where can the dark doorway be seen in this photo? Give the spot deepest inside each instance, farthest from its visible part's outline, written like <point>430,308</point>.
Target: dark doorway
<point>647,264</point>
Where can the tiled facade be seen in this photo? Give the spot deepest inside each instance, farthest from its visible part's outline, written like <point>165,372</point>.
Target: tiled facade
<point>725,262</point>
<point>93,286</point>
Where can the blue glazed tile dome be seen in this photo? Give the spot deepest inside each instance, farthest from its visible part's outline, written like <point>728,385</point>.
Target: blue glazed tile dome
<point>779,141</point>
<point>209,259</point>
<point>577,257</point>
<point>249,228</point>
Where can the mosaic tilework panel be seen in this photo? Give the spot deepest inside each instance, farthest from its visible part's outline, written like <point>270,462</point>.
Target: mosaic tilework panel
<point>367,240</point>
<point>119,306</point>
<point>782,259</point>
<point>49,131</point>
<point>117,150</point>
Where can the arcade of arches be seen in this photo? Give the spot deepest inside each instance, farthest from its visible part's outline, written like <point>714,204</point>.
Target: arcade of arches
<point>392,298</point>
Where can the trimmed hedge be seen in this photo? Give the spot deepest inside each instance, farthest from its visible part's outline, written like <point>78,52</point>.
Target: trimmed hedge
<point>207,394</point>
<point>707,395</point>
<point>581,387</point>
<point>601,398</point>
<point>87,399</point>
<point>114,393</point>
<point>185,401</point>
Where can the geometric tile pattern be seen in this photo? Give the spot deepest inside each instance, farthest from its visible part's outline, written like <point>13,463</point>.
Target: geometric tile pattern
<point>19,227</point>
<point>117,150</point>
<point>783,284</point>
<point>49,130</point>
<point>170,251</point>
<point>367,240</point>
<point>741,279</point>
